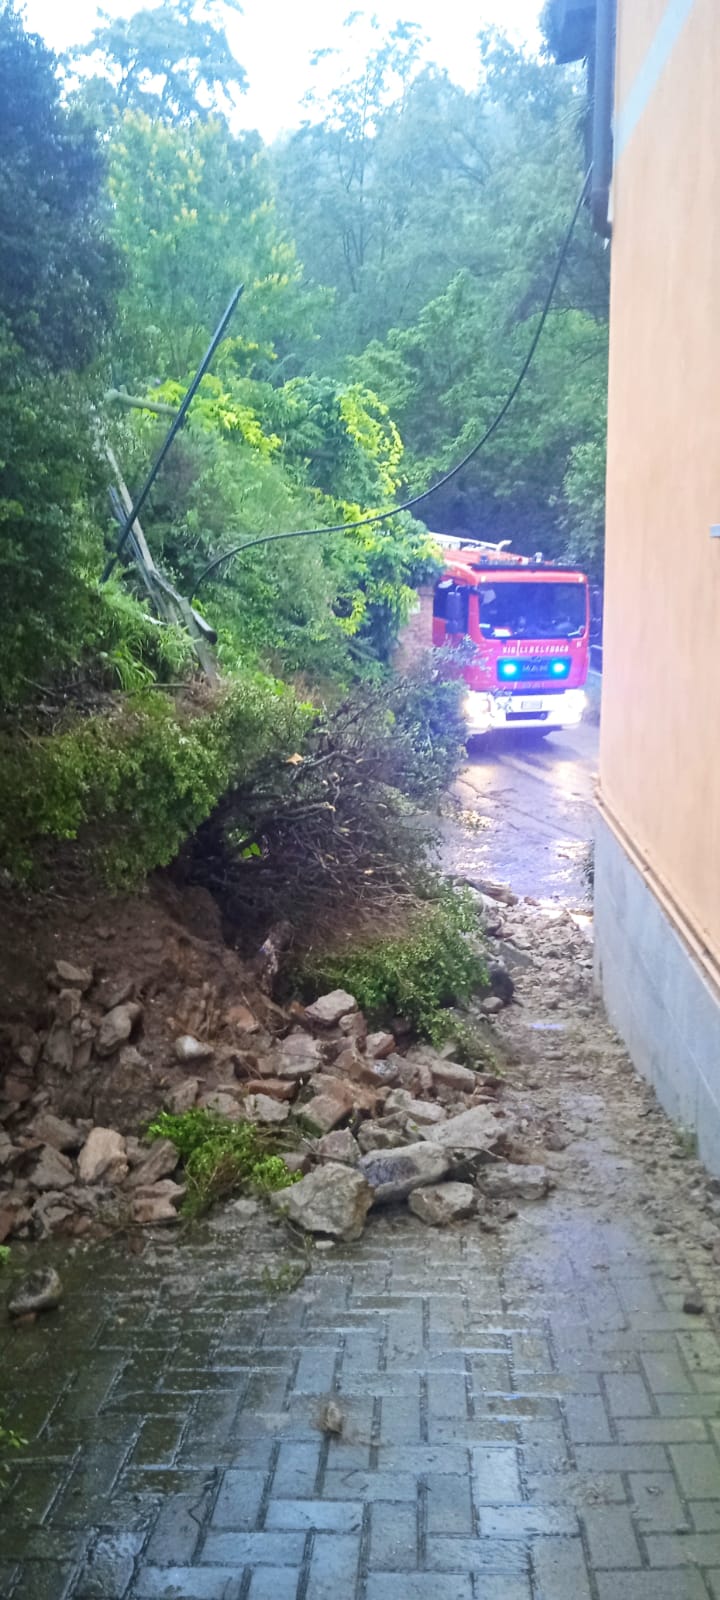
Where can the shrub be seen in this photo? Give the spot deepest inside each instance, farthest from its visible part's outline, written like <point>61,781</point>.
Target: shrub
<point>326,835</point>
<point>436,963</point>
<point>221,1156</point>
<point>131,785</point>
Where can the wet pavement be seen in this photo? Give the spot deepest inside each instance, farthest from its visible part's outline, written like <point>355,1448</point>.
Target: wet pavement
<point>524,1417</point>
<point>526,1414</point>
<point>525,812</point>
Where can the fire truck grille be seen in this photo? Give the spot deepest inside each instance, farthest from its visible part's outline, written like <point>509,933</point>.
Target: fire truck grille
<point>529,668</point>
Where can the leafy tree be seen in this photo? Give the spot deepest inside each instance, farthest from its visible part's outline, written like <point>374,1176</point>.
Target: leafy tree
<point>193,215</point>
<point>466,200</point>
<point>59,273</point>
<point>171,61</point>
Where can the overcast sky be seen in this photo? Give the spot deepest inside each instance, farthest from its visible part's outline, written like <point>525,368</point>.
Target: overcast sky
<point>275,39</point>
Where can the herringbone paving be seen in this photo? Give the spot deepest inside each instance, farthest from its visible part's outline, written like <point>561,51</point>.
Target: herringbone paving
<point>525,1416</point>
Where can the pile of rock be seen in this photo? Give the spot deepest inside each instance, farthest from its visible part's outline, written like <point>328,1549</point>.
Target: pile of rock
<point>72,1178</point>
<point>372,1122</point>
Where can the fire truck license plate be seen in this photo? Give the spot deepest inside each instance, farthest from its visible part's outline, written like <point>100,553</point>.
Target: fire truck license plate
<point>531,705</point>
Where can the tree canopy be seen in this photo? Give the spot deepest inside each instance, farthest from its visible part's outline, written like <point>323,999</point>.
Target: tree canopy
<point>395,251</point>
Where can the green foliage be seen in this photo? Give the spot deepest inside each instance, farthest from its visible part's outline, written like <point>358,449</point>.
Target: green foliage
<point>436,963</point>
<point>193,216</point>
<point>10,1439</point>
<point>59,274</point>
<point>59,271</point>
<point>221,1156</point>
<point>173,62</point>
<point>4,1254</point>
<point>436,215</point>
<point>134,784</point>
<point>426,704</point>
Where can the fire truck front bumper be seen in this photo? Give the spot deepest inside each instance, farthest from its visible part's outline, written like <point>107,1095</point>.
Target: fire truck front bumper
<point>485,711</point>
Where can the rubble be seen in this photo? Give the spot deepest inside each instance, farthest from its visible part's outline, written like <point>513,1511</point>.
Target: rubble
<point>332,1200</point>
<point>511,1182</point>
<point>393,1174</point>
<point>39,1291</point>
<point>384,1118</point>
<point>116,1027</point>
<point>330,1009</point>
<point>190,1049</point>
<point>443,1204</point>
<point>68,976</point>
<point>103,1156</point>
<point>339,1146</point>
<point>379,1045</point>
<point>477,1129</point>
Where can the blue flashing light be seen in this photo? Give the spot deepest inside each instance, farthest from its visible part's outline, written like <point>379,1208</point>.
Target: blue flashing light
<point>560,668</point>
<point>508,669</point>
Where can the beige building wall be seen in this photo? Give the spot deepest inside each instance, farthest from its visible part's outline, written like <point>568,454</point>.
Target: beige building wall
<point>660,736</point>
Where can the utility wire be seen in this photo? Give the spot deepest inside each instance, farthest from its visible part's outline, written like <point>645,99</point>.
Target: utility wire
<point>418,499</point>
<point>128,521</point>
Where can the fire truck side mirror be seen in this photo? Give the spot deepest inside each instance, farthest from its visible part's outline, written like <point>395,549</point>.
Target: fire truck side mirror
<point>456,611</point>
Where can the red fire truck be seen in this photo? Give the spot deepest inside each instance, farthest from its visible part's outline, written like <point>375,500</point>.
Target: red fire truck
<point>524,624</point>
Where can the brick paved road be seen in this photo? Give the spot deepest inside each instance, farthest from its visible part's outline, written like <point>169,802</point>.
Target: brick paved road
<point>527,1416</point>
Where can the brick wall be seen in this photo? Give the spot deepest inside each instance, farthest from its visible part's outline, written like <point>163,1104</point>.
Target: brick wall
<point>416,636</point>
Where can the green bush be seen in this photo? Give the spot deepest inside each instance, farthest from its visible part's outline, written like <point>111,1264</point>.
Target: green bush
<point>133,784</point>
<point>436,963</point>
<point>220,1156</point>
<point>429,725</point>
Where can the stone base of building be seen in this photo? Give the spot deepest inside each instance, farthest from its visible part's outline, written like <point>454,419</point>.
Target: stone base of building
<point>657,996</point>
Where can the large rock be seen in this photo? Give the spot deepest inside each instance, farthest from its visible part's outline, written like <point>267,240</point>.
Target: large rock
<point>157,1163</point>
<point>59,1047</point>
<point>333,1200</point>
<point>155,1203</point>
<point>510,1182</point>
<point>190,1050</point>
<point>450,1075</point>
<point>68,1005</point>
<point>330,1009</point>
<point>339,1146</point>
<point>326,1111</point>
<point>445,1203</point>
<point>103,1157</point>
<point>383,1073</point>
<point>276,1088</point>
<point>297,1056</point>
<point>263,1108</point>
<point>52,1171</point>
<point>224,1104</point>
<point>379,1045</point>
<point>393,1174</point>
<point>472,1131</point>
<point>67,976</point>
<point>57,1131</point>
<point>380,1136</point>
<point>116,1027</point>
<point>39,1291</point>
<point>424,1113</point>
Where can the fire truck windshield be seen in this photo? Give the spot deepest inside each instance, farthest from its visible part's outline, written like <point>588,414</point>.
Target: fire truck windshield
<point>532,610</point>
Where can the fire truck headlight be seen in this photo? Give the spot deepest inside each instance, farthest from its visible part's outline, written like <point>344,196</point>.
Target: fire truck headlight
<point>575,701</point>
<point>478,711</point>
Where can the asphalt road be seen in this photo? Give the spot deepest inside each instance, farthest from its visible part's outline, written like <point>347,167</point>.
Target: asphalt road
<point>527,813</point>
